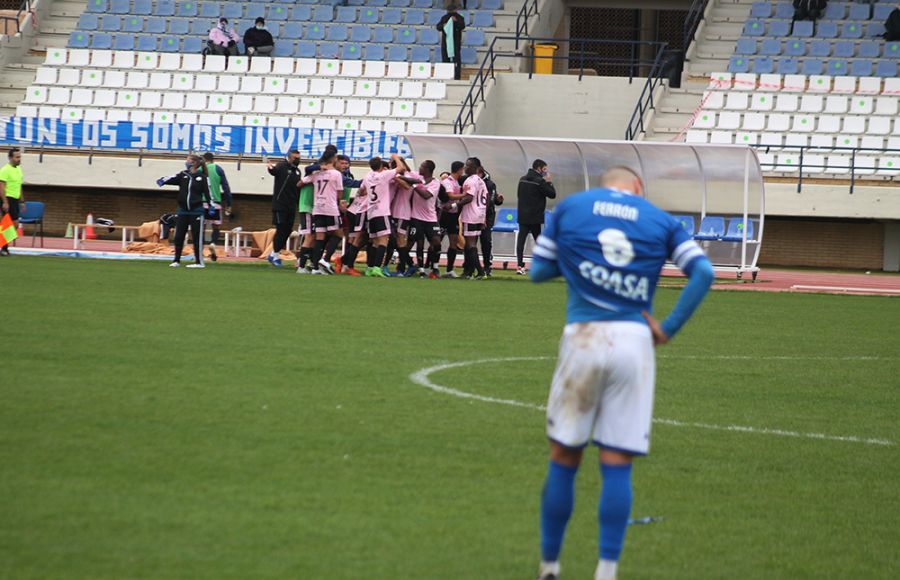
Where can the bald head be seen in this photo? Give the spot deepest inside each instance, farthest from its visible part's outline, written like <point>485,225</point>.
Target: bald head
<point>623,179</point>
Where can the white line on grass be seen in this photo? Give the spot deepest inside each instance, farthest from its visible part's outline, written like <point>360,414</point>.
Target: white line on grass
<point>422,377</point>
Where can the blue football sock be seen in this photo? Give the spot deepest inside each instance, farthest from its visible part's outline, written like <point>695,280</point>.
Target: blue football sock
<point>615,506</point>
<point>557,502</point>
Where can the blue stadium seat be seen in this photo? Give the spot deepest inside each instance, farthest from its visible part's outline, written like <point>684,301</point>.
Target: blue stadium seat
<point>784,11</point>
<point>406,35</point>
<point>770,46</point>
<point>301,13</point>
<point>345,14</point>
<point>419,53</point>
<point>179,26</point>
<point>292,31</point>
<point>760,10</point>
<point>754,28</point>
<point>132,24</point>
<point>284,48</point>
<point>351,51</point>
<point>738,64</point>
<point>788,66</point>
<point>429,36</point>
<point>156,26</point>
<point>843,49</point>
<point>360,33</point>
<point>687,222</point>
<point>328,50</point>
<point>146,44</point>
<point>886,69</point>
<point>875,30</point>
<point>820,48</point>
<point>414,18</point>
<point>337,33</point>
<point>169,44</point>
<point>468,55</point>
<point>859,12</point>
<point>763,65</point>
<point>851,30</point>
<point>391,16</point>
<point>255,11</point>
<point>314,31</point>
<point>779,28</point>
<point>861,68</point>
<point>432,17</point>
<point>142,7</point>
<point>813,66</point>
<point>193,45</point>
<point>396,53</point>
<point>97,6</point>
<point>368,16</point>
<point>210,10</point>
<point>277,13</point>
<point>892,50</point>
<point>398,3</point>
<point>110,23</point>
<point>835,11</point>
<point>378,3</point>
<point>186,9</point>
<point>123,42</point>
<point>232,11</point>
<point>79,40</point>
<point>483,19</point>
<point>383,34</point>
<point>837,67</point>
<point>101,41</point>
<point>164,8</point>
<point>375,52</point>
<point>507,220</point>
<point>826,30</point>
<point>305,50</point>
<point>88,22</point>
<point>795,48</point>
<point>744,46</point>
<point>473,38</point>
<point>735,231</point>
<point>802,28</point>
<point>323,14</point>
<point>491,4</point>
<point>119,6</point>
<point>200,27</point>
<point>882,11</point>
<point>711,228</point>
<point>421,3</point>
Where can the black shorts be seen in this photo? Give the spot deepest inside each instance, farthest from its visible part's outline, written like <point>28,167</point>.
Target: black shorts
<point>450,222</point>
<point>400,226</point>
<point>427,230</point>
<point>325,223</point>
<point>472,230</point>
<point>379,226</point>
<point>358,222</point>
<point>306,225</point>
<point>284,218</point>
<point>13,208</point>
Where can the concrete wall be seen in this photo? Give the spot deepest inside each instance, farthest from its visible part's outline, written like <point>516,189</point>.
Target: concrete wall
<point>593,108</point>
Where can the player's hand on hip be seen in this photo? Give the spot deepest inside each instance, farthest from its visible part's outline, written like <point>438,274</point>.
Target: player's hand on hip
<point>5,207</point>
<point>659,335</point>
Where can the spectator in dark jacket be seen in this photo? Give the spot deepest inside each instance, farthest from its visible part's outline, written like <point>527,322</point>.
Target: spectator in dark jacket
<point>451,26</point>
<point>535,188</point>
<point>487,240</point>
<point>258,40</point>
<point>809,9</point>
<point>285,198</point>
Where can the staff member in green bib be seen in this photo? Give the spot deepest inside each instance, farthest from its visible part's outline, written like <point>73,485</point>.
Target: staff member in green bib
<point>219,193</point>
<point>11,190</point>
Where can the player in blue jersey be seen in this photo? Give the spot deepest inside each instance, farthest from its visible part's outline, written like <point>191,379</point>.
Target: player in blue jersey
<point>610,245</point>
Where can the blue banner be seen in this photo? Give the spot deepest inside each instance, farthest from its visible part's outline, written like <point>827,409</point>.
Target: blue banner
<point>234,140</point>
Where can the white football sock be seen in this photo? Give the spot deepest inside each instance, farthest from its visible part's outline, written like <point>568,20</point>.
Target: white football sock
<point>548,568</point>
<point>606,570</point>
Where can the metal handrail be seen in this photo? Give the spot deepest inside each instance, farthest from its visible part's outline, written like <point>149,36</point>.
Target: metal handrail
<point>692,21</point>
<point>645,101</point>
<point>528,9</point>
<point>487,70</point>
<point>807,148</point>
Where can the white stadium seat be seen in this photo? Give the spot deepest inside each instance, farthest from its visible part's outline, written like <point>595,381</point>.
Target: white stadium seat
<point>746,138</point>
<point>829,124</point>
<point>274,85</point>
<point>721,137</point>
<point>342,87</point>
<point>188,118</point>
<point>844,85</point>
<point>214,63</point>
<point>251,85</point>
<point>172,61</point>
<point>729,121</point>
<point>717,81</point>
<point>285,66</point>
<point>823,141</point>
<point>813,164</point>
<point>705,120</point>
<point>861,105</point>
<point>769,83</point>
<point>389,89</point>
<point>137,80</point>
<point>261,65</point>
<point>352,68</point>
<point>308,67</point>
<point>435,90</point>
<point>787,103</point>
<point>173,101</point>
<point>58,56</point>
<point>123,59</point>
<point>854,125</point>
<point>754,122</point>
<point>228,84</point>
<point>879,125</point>
<point>818,84</point>
<point>150,100</point>
<point>803,124</point>
<point>869,86</point>
<point>811,104</point>
<point>744,82</point>
<point>79,58</point>
<point>798,83</point>
<point>58,96</point>
<point>45,76</point>
<point>713,100</point>
<point>287,105</point>
<point>101,58</point>
<point>778,122</point>
<point>693,136</point>
<point>329,68</point>
<point>887,106</point>
<point>796,140</point>
<point>242,104</point>
<point>762,102</point>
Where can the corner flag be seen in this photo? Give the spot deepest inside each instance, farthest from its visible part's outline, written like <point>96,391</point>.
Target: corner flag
<point>7,231</point>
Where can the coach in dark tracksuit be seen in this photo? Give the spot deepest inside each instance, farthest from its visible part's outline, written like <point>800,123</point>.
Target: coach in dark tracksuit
<point>535,189</point>
<point>193,200</point>
<point>487,240</point>
<point>285,197</point>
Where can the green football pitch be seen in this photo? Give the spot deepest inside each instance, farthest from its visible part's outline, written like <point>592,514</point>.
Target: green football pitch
<point>245,422</point>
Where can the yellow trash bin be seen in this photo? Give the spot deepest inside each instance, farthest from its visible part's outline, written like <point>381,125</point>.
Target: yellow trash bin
<point>543,58</point>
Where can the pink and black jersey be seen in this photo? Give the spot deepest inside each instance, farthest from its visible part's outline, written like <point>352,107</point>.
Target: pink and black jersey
<point>451,186</point>
<point>474,211</point>
<point>425,209</point>
<point>361,202</point>
<point>380,194</point>
<point>328,187</point>
<point>401,201</point>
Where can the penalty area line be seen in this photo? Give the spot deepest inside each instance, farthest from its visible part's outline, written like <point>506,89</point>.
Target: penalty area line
<point>422,377</point>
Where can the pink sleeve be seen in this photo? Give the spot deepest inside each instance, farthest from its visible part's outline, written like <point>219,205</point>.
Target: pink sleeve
<point>307,178</point>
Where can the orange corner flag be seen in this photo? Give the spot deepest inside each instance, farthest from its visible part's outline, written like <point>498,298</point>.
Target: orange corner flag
<point>7,231</point>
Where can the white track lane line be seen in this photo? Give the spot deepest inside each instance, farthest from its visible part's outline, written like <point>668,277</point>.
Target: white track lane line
<point>422,377</point>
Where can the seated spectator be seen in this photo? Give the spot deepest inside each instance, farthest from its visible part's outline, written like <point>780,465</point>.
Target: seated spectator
<point>223,40</point>
<point>809,9</point>
<point>892,26</point>
<point>258,40</point>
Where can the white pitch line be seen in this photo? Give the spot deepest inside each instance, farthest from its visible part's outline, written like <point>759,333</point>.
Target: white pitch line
<point>422,377</point>
<point>771,357</point>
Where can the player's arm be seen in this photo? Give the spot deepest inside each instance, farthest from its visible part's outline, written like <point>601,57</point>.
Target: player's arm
<point>544,257</point>
<point>171,180</point>
<point>422,191</point>
<point>402,167</point>
<point>401,182</point>
<point>305,180</point>
<point>226,188</point>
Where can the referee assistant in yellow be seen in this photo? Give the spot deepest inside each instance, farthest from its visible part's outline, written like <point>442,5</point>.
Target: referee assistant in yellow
<point>11,191</point>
